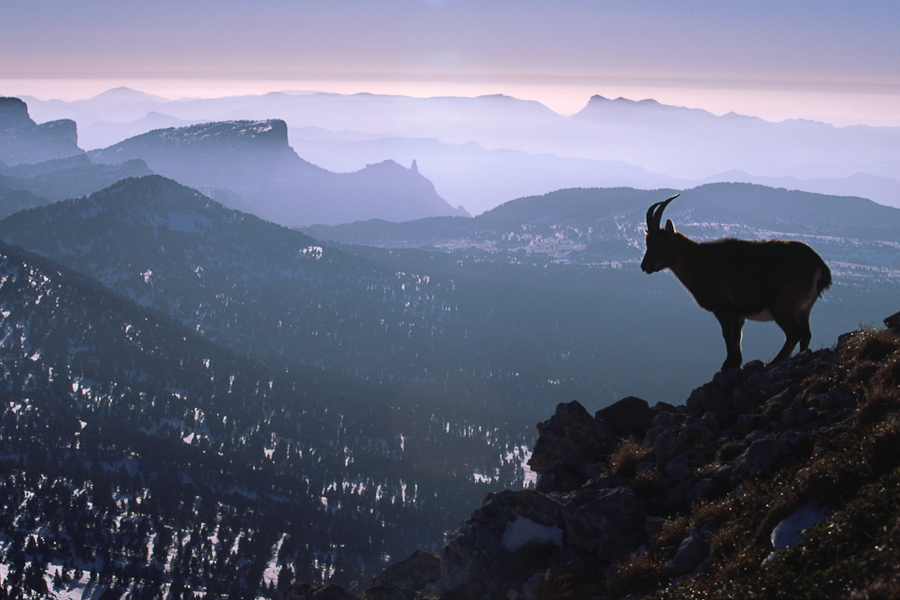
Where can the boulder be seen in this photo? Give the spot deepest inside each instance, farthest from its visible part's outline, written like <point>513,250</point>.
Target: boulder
<point>893,322</point>
<point>762,456</point>
<point>488,551</point>
<point>609,524</point>
<point>693,551</point>
<point>306,591</point>
<point>402,580</point>
<point>570,439</point>
<point>629,416</point>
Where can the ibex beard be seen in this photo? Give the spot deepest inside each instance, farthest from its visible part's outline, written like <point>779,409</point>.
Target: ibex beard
<point>736,280</point>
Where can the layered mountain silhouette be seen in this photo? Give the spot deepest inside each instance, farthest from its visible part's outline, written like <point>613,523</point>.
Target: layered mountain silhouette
<point>65,178</point>
<point>253,160</point>
<point>482,151</point>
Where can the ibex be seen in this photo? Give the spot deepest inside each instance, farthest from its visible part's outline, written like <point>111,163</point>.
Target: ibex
<point>737,280</point>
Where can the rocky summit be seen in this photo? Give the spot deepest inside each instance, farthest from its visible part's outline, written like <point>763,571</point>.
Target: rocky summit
<point>22,141</point>
<point>675,500</point>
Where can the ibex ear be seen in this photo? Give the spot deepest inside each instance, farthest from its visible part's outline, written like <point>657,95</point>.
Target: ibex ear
<point>670,227</point>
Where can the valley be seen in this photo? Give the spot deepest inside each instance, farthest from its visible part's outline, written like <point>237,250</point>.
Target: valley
<point>200,400</point>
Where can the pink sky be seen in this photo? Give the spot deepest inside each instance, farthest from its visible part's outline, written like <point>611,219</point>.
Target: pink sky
<point>837,62</point>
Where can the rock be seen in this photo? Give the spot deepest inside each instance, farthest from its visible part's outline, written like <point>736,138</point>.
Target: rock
<point>742,400</point>
<point>405,577</point>
<point>705,488</point>
<point>893,322</point>
<point>570,438</point>
<point>691,553</point>
<point>380,592</point>
<point>504,506</point>
<point>679,468</point>
<point>762,456</point>
<point>306,591</point>
<point>832,401</point>
<point>726,379</point>
<point>666,418</point>
<point>609,524</point>
<point>24,141</point>
<point>701,432</point>
<point>629,416</point>
<point>745,423</point>
<point>474,560</point>
<point>665,447</point>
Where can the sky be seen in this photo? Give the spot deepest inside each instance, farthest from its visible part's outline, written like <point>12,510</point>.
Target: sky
<point>826,60</point>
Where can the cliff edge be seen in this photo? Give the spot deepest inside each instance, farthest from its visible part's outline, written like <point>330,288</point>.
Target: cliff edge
<point>774,481</point>
<point>22,141</point>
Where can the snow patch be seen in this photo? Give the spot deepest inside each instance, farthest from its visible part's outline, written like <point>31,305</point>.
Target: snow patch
<point>790,531</point>
<point>523,531</point>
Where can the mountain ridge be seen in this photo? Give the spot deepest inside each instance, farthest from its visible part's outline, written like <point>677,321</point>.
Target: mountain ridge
<point>675,146</point>
<point>22,140</point>
<point>254,160</point>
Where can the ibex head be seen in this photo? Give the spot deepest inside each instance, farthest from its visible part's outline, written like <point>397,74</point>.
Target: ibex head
<point>659,254</point>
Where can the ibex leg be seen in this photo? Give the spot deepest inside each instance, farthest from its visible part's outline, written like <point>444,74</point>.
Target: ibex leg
<point>731,331</point>
<point>795,331</point>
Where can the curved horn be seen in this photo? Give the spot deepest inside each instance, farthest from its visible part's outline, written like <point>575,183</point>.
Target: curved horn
<point>654,219</point>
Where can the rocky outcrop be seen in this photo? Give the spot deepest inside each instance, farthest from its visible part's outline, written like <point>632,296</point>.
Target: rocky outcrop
<point>22,141</point>
<point>252,160</point>
<point>609,483</point>
<point>402,580</point>
<point>306,591</point>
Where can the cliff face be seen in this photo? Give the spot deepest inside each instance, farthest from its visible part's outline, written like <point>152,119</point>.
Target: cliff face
<point>22,141</point>
<point>708,496</point>
<point>253,160</point>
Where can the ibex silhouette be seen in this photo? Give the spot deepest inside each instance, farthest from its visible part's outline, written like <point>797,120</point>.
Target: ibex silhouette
<point>737,280</point>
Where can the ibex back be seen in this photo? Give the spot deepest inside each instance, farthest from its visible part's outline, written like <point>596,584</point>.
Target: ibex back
<point>737,280</point>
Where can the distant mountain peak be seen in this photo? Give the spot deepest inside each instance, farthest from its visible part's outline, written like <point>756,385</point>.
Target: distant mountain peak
<point>14,111</point>
<point>272,129</point>
<point>22,141</point>
<point>252,159</point>
<point>126,94</point>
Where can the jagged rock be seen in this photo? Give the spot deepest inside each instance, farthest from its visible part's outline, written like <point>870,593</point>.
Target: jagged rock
<point>710,397</point>
<point>666,418</point>
<point>705,488</point>
<point>22,141</point>
<point>893,322</point>
<point>762,456</point>
<point>629,416</point>
<point>679,468</point>
<point>587,511</point>
<point>691,553</point>
<point>306,591</point>
<point>666,446</point>
<point>475,552</point>
<point>403,579</point>
<point>835,400</point>
<point>609,524</point>
<point>569,439</point>
<point>701,432</point>
<point>381,592</point>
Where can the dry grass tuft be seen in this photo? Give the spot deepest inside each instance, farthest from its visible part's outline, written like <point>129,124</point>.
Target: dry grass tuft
<point>627,456</point>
